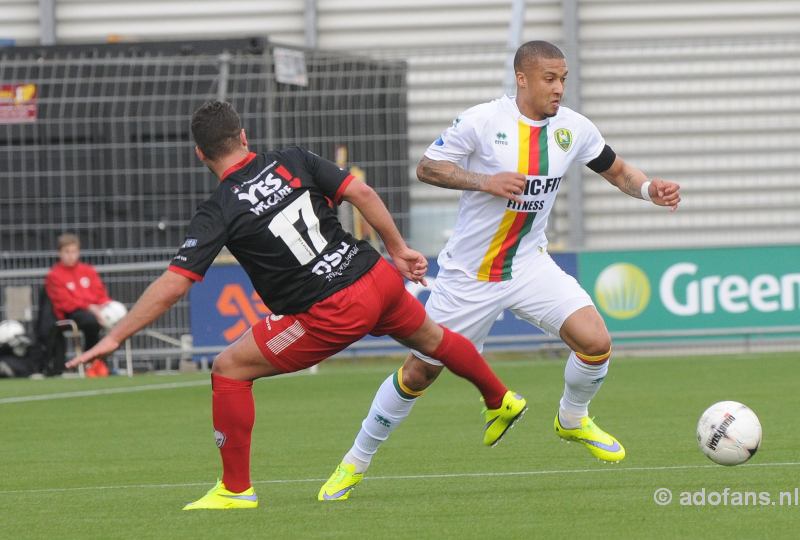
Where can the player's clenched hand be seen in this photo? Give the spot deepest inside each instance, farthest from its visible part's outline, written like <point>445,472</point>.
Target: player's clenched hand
<point>665,193</point>
<point>505,184</point>
<point>104,347</point>
<point>412,264</point>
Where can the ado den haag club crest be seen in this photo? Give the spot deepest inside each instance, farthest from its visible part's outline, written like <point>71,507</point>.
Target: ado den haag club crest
<point>563,138</point>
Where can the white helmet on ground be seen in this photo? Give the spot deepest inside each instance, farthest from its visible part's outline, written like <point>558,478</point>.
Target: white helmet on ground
<point>12,334</point>
<point>111,313</point>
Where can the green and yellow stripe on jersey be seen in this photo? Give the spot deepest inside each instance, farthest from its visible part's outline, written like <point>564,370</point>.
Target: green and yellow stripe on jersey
<point>532,161</point>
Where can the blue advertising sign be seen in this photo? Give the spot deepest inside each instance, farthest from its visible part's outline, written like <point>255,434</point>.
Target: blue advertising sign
<point>224,305</point>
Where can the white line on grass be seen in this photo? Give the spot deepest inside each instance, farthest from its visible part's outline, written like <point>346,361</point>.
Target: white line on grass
<point>609,468</point>
<point>100,392</point>
<point>121,390</point>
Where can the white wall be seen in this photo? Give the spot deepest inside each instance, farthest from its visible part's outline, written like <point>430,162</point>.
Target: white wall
<point>96,20</point>
<point>20,21</point>
<point>705,93</point>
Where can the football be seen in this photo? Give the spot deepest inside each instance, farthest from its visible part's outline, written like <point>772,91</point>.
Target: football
<point>729,433</point>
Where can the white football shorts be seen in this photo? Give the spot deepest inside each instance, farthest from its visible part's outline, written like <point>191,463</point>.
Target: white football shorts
<point>544,295</point>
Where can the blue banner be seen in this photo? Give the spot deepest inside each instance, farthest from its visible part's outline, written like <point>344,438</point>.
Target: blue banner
<point>224,305</point>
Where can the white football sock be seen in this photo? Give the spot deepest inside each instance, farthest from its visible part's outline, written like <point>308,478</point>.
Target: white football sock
<point>388,409</point>
<point>581,383</point>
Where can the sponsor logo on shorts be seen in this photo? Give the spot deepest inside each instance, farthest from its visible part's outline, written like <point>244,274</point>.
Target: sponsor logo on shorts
<point>273,318</point>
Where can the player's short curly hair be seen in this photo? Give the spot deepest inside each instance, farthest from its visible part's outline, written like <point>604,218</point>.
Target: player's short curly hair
<point>534,50</point>
<point>215,128</point>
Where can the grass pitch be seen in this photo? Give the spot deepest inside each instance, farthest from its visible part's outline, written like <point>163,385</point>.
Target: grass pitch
<point>117,458</point>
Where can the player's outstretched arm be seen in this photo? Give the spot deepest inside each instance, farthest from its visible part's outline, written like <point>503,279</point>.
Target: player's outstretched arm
<point>155,300</point>
<point>632,180</point>
<point>412,264</point>
<point>449,175</point>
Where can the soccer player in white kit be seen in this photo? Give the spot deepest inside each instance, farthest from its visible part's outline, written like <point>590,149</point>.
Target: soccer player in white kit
<point>509,156</point>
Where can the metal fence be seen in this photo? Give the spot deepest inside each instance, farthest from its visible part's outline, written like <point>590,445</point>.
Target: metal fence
<point>95,140</point>
<point>107,152</point>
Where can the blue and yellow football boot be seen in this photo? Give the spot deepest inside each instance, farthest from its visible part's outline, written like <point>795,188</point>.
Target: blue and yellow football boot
<point>600,444</point>
<point>219,498</point>
<point>498,421</point>
<point>340,484</point>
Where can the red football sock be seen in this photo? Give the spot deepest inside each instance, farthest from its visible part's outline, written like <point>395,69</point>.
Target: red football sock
<point>233,414</point>
<point>461,357</point>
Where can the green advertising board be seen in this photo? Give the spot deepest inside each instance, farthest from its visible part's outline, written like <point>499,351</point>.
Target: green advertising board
<point>720,288</point>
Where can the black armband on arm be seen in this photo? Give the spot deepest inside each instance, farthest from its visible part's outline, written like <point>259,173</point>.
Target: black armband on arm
<point>603,162</point>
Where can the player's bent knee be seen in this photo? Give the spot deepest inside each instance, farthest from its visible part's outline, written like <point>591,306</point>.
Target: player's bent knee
<point>597,347</point>
<point>418,374</point>
<point>592,344</point>
<point>426,339</point>
<point>223,364</point>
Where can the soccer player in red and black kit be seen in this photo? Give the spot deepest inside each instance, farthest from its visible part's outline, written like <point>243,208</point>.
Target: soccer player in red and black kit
<point>275,212</point>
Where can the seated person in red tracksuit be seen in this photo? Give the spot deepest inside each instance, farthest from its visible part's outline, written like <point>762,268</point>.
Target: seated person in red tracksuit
<point>77,293</point>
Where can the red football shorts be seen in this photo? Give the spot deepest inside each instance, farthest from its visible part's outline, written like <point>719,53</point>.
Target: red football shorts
<point>376,304</point>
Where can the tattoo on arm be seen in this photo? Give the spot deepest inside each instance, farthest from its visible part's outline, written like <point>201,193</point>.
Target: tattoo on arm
<point>449,175</point>
<point>630,185</point>
<point>626,178</point>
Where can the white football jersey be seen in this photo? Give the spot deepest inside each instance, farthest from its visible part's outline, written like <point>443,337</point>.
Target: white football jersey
<point>494,237</point>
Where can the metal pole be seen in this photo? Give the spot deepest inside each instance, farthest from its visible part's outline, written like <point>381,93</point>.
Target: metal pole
<point>47,22</point>
<point>570,28</point>
<point>270,86</point>
<point>311,24</point>
<point>515,27</point>
<point>224,75</point>
<point>128,358</point>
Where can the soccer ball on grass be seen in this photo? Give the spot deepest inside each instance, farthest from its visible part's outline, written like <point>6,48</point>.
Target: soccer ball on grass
<point>729,433</point>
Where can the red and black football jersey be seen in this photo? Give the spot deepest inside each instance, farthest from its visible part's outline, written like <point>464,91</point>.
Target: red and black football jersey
<point>276,214</point>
